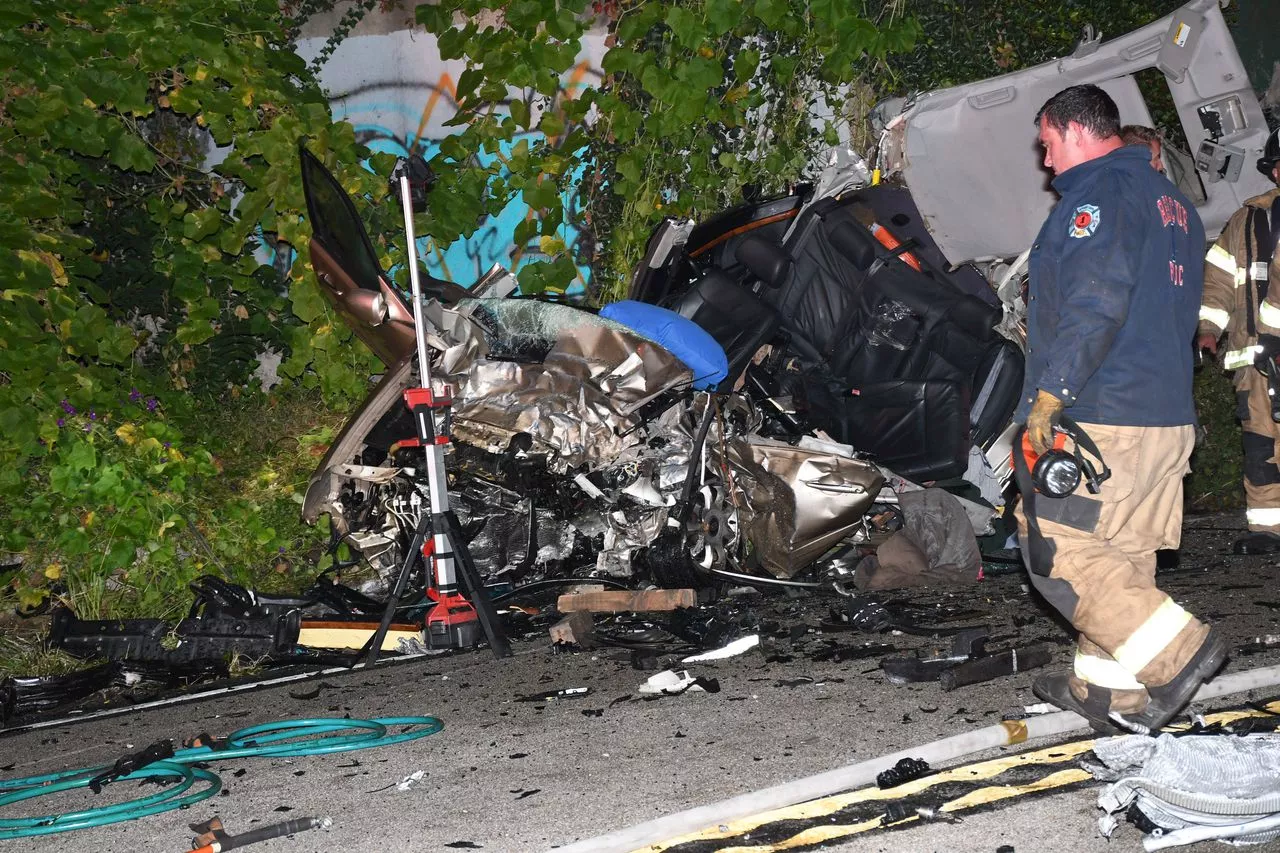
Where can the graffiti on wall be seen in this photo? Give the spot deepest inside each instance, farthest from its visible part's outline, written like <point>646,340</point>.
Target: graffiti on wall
<point>398,93</point>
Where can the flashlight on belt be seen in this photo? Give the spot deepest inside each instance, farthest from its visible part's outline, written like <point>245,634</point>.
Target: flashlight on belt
<point>1058,472</point>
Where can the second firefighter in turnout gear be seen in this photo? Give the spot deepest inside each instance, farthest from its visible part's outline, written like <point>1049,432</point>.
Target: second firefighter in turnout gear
<point>1242,300</point>
<point>1115,288</point>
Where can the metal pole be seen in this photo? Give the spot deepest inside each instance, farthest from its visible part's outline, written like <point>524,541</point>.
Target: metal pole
<point>411,248</point>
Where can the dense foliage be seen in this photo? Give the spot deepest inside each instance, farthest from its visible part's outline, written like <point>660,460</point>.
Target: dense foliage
<point>139,286</point>
<point>966,40</point>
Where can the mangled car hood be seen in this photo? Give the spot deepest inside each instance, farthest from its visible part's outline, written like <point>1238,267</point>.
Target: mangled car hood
<point>569,379</point>
<point>969,154</point>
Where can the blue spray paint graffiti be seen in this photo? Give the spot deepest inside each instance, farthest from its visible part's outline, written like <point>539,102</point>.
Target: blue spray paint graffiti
<point>397,93</point>
<point>467,260</point>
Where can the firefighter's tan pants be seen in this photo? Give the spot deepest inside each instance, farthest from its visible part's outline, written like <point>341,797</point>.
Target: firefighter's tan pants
<point>1097,563</point>
<point>1260,436</point>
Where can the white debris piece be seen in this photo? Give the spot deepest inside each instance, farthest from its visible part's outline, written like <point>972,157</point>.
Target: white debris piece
<point>267,371</point>
<point>670,681</point>
<point>409,781</point>
<point>733,649</point>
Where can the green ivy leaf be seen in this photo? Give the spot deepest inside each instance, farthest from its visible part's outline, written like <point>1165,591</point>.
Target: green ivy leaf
<point>130,152</point>
<point>198,327</point>
<point>306,301</point>
<point>856,35</point>
<point>770,12</point>
<point>116,345</point>
<point>468,81</point>
<point>435,18</point>
<point>701,74</point>
<point>621,59</point>
<point>82,457</point>
<point>829,12</point>
<point>636,23</point>
<point>452,43</point>
<point>199,224</point>
<point>685,26</point>
<point>723,15</point>
<point>552,124</point>
<point>660,84</point>
<point>532,278</point>
<point>525,230</point>
<point>564,25</point>
<point>520,113</point>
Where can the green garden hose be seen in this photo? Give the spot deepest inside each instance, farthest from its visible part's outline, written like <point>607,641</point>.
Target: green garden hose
<point>283,739</point>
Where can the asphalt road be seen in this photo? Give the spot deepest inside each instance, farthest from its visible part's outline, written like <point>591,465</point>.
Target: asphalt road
<point>511,775</point>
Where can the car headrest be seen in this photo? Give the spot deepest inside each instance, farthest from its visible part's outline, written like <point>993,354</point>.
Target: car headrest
<point>766,260</point>
<point>855,243</point>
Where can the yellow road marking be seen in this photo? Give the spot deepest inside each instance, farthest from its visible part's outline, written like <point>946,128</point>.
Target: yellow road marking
<point>815,809</point>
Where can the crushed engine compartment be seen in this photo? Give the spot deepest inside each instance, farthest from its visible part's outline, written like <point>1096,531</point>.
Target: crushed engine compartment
<point>592,460</point>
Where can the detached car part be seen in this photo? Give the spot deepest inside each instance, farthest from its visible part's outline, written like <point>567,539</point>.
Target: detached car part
<point>224,619</point>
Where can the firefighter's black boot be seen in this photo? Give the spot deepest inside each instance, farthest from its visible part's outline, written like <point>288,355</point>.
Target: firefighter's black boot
<point>1167,700</point>
<point>1257,542</point>
<point>1055,689</point>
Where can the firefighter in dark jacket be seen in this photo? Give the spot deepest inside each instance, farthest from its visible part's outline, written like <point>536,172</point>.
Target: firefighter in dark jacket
<point>1238,301</point>
<point>1116,276</point>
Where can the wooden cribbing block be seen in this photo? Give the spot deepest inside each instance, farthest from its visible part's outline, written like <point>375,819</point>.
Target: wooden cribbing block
<point>576,629</point>
<point>335,634</point>
<point>624,601</point>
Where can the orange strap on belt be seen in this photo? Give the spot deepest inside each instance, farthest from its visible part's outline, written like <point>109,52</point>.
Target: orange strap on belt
<point>890,242</point>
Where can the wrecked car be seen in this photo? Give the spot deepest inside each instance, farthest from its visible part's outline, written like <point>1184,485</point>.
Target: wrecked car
<point>579,442</point>
<point>871,325</point>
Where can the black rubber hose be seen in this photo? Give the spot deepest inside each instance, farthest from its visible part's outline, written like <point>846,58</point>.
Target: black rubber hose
<point>279,830</point>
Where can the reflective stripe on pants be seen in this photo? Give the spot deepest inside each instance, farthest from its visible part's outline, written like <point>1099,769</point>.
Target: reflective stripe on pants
<point>1152,636</point>
<point>1104,672</point>
<point>1102,570</point>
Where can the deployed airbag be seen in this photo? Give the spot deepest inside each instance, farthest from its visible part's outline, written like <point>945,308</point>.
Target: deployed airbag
<point>680,336</point>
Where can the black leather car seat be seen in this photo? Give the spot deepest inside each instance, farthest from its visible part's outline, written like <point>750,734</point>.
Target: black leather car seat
<point>739,320</point>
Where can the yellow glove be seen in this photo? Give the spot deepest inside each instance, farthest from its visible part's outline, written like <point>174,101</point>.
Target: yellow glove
<point>1044,415</point>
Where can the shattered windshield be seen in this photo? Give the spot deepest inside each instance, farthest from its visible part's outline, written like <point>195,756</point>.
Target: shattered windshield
<point>527,329</point>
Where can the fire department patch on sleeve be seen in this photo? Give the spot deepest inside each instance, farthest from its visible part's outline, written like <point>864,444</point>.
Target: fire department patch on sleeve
<point>1084,221</point>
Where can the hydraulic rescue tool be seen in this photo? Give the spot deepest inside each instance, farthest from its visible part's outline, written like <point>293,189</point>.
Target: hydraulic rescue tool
<point>453,622</point>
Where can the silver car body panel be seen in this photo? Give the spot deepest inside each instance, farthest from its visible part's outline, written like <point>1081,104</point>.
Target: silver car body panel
<point>971,160</point>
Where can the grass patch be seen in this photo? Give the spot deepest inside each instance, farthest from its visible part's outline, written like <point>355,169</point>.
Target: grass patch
<point>240,520</point>
<point>266,450</point>
<point>25,655</point>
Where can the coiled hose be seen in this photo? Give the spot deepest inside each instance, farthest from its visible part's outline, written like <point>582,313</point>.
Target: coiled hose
<point>282,739</point>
